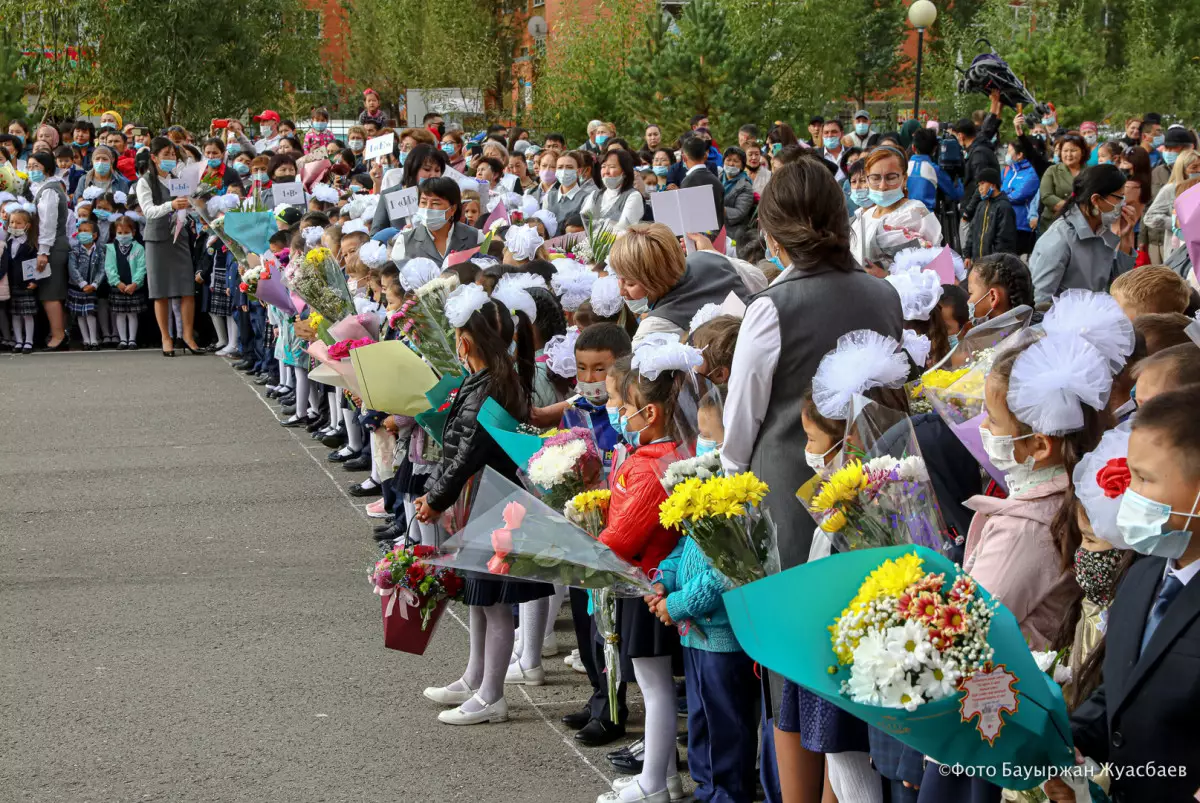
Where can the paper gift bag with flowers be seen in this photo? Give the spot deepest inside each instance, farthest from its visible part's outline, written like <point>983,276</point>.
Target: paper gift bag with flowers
<point>413,595</point>
<point>902,639</point>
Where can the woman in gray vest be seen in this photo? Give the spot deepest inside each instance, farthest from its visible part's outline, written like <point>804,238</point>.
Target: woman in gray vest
<point>437,226</point>
<point>568,196</point>
<point>662,286</point>
<point>53,248</point>
<point>821,295</point>
<point>619,203</point>
<point>169,271</point>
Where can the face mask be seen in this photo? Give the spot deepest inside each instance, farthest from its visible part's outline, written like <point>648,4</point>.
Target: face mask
<point>776,147</point>
<point>566,176</point>
<point>601,139</point>
<point>953,341</point>
<point>36,175</point>
<point>547,176</point>
<point>831,143</point>
<point>1001,450</point>
<point>1126,409</point>
<point>448,148</point>
<point>432,219</point>
<point>284,179</point>
<point>705,446</point>
<point>594,392</point>
<point>1008,159</point>
<point>817,461</point>
<point>86,237</point>
<point>20,140</point>
<point>215,163</point>
<point>632,437</point>
<point>1110,217</point>
<point>356,145</point>
<point>463,361</point>
<point>1047,121</point>
<point>1090,139</point>
<point>638,306</point>
<point>264,131</point>
<point>1141,520</point>
<point>886,197</point>
<point>1169,158</point>
<point>124,239</point>
<point>861,197</point>
<point>17,231</point>
<point>975,320</point>
<point>1096,573</point>
<point>1057,159</point>
<point>101,168</point>
<point>233,149</point>
<point>241,167</point>
<point>320,125</point>
<point>1128,174</point>
<point>987,193</point>
<point>102,214</point>
<point>613,182</point>
<point>1159,140</point>
<point>166,165</point>
<point>862,128</point>
<point>661,171</point>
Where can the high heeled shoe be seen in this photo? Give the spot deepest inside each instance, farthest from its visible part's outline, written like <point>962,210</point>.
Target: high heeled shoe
<point>191,350</point>
<point>170,353</point>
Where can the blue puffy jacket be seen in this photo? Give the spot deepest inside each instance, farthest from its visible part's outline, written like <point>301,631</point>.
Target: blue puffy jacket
<point>1021,185</point>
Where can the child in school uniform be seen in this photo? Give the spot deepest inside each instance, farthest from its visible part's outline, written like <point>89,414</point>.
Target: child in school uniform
<point>20,247</point>
<point>125,268</point>
<point>89,281</point>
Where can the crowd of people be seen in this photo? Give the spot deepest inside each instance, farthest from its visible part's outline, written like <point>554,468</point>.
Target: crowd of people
<point>815,240</point>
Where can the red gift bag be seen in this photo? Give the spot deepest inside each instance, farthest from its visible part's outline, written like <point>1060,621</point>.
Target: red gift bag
<point>402,629</point>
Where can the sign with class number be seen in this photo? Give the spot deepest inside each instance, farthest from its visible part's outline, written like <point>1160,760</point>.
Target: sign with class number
<point>382,145</point>
<point>29,270</point>
<point>178,187</point>
<point>291,193</point>
<point>401,204</point>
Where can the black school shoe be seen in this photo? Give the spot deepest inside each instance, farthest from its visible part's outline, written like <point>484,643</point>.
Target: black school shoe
<point>599,732</point>
<point>578,719</point>
<point>358,490</point>
<point>360,463</point>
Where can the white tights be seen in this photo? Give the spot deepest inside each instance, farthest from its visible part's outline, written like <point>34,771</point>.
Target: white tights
<point>491,635</point>
<point>653,676</point>
<point>127,326</point>
<point>853,778</point>
<point>23,330</point>
<point>218,322</point>
<point>87,328</point>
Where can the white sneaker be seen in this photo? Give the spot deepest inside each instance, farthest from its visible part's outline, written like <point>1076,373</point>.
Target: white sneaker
<point>550,646</point>
<point>615,797</point>
<point>525,677</point>
<point>493,712</point>
<point>447,696</point>
<point>224,351</point>
<point>674,786</point>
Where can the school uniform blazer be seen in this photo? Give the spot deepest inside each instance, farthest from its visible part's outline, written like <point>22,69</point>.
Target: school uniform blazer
<point>137,264</point>
<point>1148,706</point>
<point>418,242</point>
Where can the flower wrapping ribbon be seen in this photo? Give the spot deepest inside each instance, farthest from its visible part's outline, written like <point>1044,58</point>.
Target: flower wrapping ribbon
<point>407,597</point>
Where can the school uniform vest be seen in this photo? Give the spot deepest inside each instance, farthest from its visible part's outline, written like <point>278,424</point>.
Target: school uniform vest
<point>614,211</point>
<point>61,243</point>
<point>124,268</point>
<point>157,229</point>
<point>564,207</point>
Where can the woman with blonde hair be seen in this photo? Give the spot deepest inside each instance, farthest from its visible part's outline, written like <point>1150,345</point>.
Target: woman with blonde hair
<point>1161,214</point>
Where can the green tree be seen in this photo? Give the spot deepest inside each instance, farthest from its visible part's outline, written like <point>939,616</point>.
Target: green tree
<point>1159,72</point>
<point>57,66</point>
<point>12,86</point>
<point>871,39</point>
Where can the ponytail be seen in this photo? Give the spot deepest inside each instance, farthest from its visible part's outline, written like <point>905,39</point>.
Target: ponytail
<point>492,330</point>
<point>526,353</point>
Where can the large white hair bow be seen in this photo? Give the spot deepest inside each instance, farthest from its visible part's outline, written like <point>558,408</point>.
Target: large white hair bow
<point>1097,318</point>
<point>523,242</point>
<point>665,352</point>
<point>919,292</point>
<point>560,353</point>
<point>418,272</point>
<point>606,296</point>
<point>325,193</point>
<point>465,301</point>
<point>373,254</point>
<point>863,359</point>
<point>1052,380</point>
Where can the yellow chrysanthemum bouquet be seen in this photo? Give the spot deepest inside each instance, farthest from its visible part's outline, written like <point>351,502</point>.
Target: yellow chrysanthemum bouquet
<point>319,280</point>
<point>723,515</point>
<point>589,511</point>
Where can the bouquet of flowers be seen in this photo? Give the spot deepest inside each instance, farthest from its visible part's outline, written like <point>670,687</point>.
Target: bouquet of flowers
<point>319,280</point>
<point>704,466</point>
<point>250,277</point>
<point>213,215</point>
<point>908,639</point>
<point>722,515</point>
<point>405,582</point>
<point>883,502</point>
<point>426,325</point>
<point>589,511</point>
<point>567,464</point>
<point>595,244</point>
<point>341,350</point>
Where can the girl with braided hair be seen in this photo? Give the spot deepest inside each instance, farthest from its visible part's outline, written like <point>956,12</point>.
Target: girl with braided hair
<point>997,284</point>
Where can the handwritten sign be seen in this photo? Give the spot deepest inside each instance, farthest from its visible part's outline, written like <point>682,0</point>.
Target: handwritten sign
<point>382,145</point>
<point>179,187</point>
<point>29,270</point>
<point>291,193</point>
<point>401,204</point>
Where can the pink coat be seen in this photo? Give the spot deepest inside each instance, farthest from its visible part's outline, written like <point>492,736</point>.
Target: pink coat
<point>1011,553</point>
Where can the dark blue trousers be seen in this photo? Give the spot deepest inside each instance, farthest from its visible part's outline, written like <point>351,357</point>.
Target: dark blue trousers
<point>723,707</point>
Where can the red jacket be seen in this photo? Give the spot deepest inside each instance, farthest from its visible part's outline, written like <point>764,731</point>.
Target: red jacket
<point>633,530</point>
<point>126,164</point>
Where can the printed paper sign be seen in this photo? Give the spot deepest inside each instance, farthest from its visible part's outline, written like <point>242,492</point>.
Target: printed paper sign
<point>291,193</point>
<point>401,204</point>
<point>509,182</point>
<point>29,269</point>
<point>383,145</point>
<point>468,183</point>
<point>179,187</point>
<point>986,694</point>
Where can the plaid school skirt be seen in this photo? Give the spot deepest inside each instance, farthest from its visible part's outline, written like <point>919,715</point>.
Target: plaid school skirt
<point>24,304</point>
<point>80,303</point>
<point>121,303</point>
<point>218,302</point>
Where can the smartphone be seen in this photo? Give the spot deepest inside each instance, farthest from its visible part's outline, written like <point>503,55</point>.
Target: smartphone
<point>140,132</point>
<point>220,123</point>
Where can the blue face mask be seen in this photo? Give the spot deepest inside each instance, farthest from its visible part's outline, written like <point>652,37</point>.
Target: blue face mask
<point>1047,121</point>
<point>101,168</point>
<point>953,340</point>
<point>166,165</point>
<point>861,197</point>
<point>102,214</point>
<point>601,139</point>
<point>241,167</point>
<point>320,125</point>
<point>215,163</point>
<point>124,239</point>
<point>400,157</point>
<point>705,446</point>
<point>633,438</point>
<point>1141,521</point>
<point>86,237</point>
<point>831,143</point>
<point>448,148</point>
<point>886,197</point>
<point>1159,140</point>
<point>862,128</point>
<point>36,175</point>
<point>661,171</point>
<point>1169,158</point>
<point>233,149</point>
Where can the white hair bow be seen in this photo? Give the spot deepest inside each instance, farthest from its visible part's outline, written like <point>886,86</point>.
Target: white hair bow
<point>312,235</point>
<point>417,272</point>
<point>1097,318</point>
<point>523,242</point>
<point>606,296</point>
<point>863,359</point>
<point>465,301</point>
<point>373,254</point>
<point>1052,380</point>
<point>665,352</point>
<point>560,353</point>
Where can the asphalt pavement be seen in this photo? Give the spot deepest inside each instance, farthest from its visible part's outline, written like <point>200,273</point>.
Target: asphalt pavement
<point>185,615</point>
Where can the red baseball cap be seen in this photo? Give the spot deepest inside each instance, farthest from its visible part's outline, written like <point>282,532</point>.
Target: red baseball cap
<point>268,114</point>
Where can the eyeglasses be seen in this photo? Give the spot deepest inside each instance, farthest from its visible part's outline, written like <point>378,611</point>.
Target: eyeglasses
<point>883,180</point>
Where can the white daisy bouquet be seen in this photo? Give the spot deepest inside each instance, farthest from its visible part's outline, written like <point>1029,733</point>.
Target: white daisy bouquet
<point>567,464</point>
<point>908,637</point>
<point>426,324</point>
<point>701,466</point>
<point>318,279</point>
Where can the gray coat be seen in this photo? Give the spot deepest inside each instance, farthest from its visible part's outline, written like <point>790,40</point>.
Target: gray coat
<point>1070,255</point>
<point>739,205</point>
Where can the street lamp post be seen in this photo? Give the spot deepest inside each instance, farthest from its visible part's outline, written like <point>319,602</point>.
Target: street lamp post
<point>922,14</point>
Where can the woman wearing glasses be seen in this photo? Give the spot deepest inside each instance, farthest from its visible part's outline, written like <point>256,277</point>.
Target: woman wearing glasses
<point>895,221</point>
<point>1093,240</point>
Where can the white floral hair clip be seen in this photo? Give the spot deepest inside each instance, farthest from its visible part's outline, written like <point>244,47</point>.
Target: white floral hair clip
<point>863,359</point>
<point>705,314</point>
<point>351,226</point>
<point>1097,318</point>
<point>324,193</point>
<point>465,301</point>
<point>1101,478</point>
<point>919,292</point>
<point>917,346</point>
<point>665,352</point>
<point>373,254</point>
<point>92,193</point>
<point>121,198</point>
<point>523,242</point>
<point>417,272</point>
<point>606,296</point>
<point>1052,380</point>
<point>312,235</point>
<point>548,220</point>
<point>560,353</point>
<point>572,282</point>
<point>525,281</point>
<point>515,299</point>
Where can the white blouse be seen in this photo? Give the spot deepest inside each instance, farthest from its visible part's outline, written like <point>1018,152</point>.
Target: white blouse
<point>599,204</point>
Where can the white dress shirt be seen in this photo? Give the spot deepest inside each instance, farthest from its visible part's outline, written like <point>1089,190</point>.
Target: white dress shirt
<point>146,200</point>
<point>1185,574</point>
<point>47,212</point>
<point>750,380</point>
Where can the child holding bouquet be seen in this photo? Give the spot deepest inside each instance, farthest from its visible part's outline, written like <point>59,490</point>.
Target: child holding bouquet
<point>484,329</point>
<point>642,404</point>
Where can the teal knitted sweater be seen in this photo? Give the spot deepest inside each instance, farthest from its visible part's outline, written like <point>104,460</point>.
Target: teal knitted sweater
<point>694,591</point>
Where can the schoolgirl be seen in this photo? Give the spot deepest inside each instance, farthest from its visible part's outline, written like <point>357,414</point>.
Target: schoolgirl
<point>88,283</point>
<point>125,269</point>
<point>925,337</point>
<point>484,330</point>
<point>19,248</point>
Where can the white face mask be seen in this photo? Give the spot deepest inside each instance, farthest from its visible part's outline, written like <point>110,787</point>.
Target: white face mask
<point>1001,450</point>
<point>1141,520</point>
<point>638,306</point>
<point>594,392</point>
<point>817,461</point>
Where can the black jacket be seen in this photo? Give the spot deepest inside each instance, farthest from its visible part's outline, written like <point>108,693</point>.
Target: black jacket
<point>993,228</point>
<point>466,446</point>
<point>1145,712</point>
<point>701,177</point>
<point>980,156</point>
